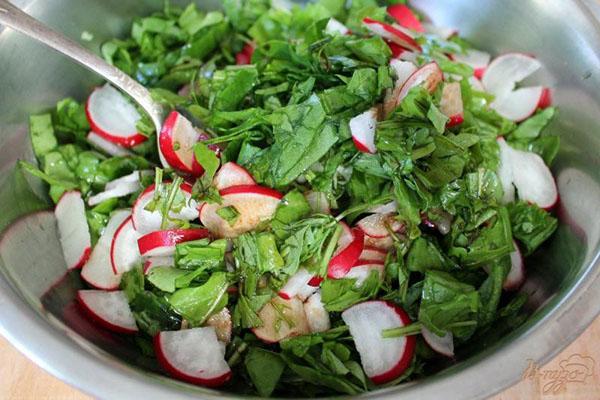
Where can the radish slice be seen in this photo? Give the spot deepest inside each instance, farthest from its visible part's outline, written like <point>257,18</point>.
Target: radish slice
<point>255,204</point>
<point>402,71</point>
<point>346,255</point>
<point>440,344</point>
<point>382,359</point>
<point>386,208</point>
<point>377,225</point>
<point>430,76</point>
<point>73,229</point>
<point>316,314</point>
<point>362,128</point>
<point>384,243</point>
<point>335,27</point>
<point>153,262</point>
<point>193,355</point>
<point>109,309</point>
<point>222,323</point>
<point>176,143</point>
<point>362,270</point>
<point>244,57</point>
<point>451,104</point>
<point>297,286</point>
<point>545,99</point>
<point>506,71</point>
<point>441,31</point>
<point>478,60</point>
<point>476,84</point>
<point>318,201</point>
<point>124,254</point>
<point>529,174</point>
<point>281,319</point>
<point>98,270</point>
<point>392,34</point>
<point>104,145</point>
<point>405,17</point>
<point>231,174</point>
<point>145,221</point>
<point>373,254</point>
<point>516,275</point>
<point>519,104</point>
<point>113,117</point>
<point>162,243</point>
<point>120,187</point>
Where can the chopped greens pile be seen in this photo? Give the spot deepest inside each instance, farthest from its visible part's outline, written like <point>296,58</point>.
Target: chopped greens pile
<point>273,90</point>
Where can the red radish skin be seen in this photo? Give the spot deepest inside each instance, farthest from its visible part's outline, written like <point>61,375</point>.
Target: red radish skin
<point>112,117</point>
<point>366,322</point>
<point>392,34</point>
<point>231,174</point>
<point>545,99</point>
<point>73,229</point>
<point>124,254</point>
<point>176,143</point>
<point>405,17</point>
<point>362,128</point>
<point>145,221</point>
<point>108,309</point>
<point>316,281</point>
<point>98,271</point>
<point>202,346</point>
<point>254,204</point>
<point>396,49</point>
<point>451,104</point>
<point>347,256</point>
<point>162,243</point>
<point>429,75</point>
<point>110,148</point>
<point>244,57</point>
<point>271,331</point>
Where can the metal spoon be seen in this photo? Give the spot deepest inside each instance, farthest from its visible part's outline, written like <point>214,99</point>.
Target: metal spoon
<point>18,20</point>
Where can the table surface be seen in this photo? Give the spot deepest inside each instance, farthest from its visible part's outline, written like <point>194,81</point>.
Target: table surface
<point>22,379</point>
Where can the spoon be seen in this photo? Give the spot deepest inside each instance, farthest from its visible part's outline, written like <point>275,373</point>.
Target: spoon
<point>18,20</point>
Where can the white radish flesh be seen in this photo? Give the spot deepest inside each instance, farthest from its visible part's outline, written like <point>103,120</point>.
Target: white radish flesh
<point>297,286</point>
<point>193,355</point>
<point>124,253</point>
<point>110,148</point>
<point>119,187</point>
<point>382,359</point>
<point>98,271</point>
<point>316,314</point>
<point>362,128</point>
<point>335,27</point>
<point>281,319</point>
<point>231,174</point>
<point>113,117</point>
<point>109,309</point>
<point>451,104</point>
<point>73,229</point>
<point>441,344</point>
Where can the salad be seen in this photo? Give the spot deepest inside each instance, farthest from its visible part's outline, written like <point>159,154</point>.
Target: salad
<point>342,198</point>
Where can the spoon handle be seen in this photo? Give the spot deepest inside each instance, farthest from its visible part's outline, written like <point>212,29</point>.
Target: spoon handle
<point>18,20</point>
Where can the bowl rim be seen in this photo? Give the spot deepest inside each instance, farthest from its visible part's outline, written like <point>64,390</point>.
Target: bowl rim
<point>50,344</point>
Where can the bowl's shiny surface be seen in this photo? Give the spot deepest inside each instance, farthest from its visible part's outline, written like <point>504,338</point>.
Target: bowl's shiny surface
<point>564,281</point>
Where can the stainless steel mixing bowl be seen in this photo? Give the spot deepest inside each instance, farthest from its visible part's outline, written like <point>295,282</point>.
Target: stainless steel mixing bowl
<point>36,308</point>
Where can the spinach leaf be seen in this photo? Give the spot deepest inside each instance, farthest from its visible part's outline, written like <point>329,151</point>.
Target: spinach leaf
<point>196,304</point>
<point>264,368</point>
<point>531,225</point>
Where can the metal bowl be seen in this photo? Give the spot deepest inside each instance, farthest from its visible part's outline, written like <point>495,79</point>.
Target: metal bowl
<point>36,305</point>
